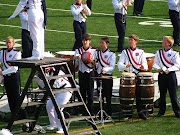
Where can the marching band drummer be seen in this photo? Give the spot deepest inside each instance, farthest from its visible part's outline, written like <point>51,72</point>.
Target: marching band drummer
<point>79,12</point>
<point>106,63</point>
<point>166,62</point>
<point>133,60</point>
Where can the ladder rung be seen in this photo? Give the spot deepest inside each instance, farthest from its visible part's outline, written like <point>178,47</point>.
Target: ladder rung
<point>71,104</point>
<point>36,91</point>
<point>78,118</point>
<point>59,76</point>
<point>85,132</point>
<point>23,121</point>
<point>64,90</point>
<point>31,104</point>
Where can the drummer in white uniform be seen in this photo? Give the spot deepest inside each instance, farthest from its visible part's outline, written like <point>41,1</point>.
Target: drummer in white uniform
<point>133,60</point>
<point>36,26</point>
<point>106,63</point>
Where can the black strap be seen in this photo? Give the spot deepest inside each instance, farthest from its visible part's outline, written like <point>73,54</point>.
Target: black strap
<point>83,62</point>
<point>131,62</point>
<point>4,58</point>
<point>162,59</point>
<point>99,58</point>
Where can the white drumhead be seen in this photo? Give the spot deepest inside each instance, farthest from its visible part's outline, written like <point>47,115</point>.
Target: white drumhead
<point>145,74</point>
<point>128,74</point>
<point>66,53</point>
<point>149,55</point>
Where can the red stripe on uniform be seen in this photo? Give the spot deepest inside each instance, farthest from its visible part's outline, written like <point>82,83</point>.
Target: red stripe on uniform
<point>166,59</point>
<point>133,58</point>
<point>103,59</point>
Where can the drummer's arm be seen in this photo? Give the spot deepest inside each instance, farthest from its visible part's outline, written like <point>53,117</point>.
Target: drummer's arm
<point>176,62</point>
<point>144,63</point>
<point>120,64</point>
<point>156,64</point>
<point>110,69</point>
<point>77,56</point>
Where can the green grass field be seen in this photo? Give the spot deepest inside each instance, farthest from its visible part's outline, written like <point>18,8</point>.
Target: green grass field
<point>59,36</point>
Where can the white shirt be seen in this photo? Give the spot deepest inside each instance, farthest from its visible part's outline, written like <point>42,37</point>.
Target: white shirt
<point>5,56</point>
<point>82,67</point>
<point>119,6</point>
<point>106,60</point>
<point>77,12</point>
<point>32,4</point>
<point>24,20</point>
<point>170,58</point>
<point>137,58</point>
<point>174,5</point>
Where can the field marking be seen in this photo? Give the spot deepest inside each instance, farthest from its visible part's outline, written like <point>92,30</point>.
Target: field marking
<point>69,32</point>
<point>118,123</point>
<point>105,14</point>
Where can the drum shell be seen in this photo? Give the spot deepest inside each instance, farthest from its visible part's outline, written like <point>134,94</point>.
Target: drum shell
<point>127,92</point>
<point>150,61</point>
<point>70,63</point>
<point>145,88</point>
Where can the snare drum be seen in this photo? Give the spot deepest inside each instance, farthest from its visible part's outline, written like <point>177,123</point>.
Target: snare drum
<point>127,90</point>
<point>145,88</point>
<point>68,54</point>
<point>150,60</point>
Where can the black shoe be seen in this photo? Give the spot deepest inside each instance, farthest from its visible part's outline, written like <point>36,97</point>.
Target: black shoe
<point>142,116</point>
<point>159,115</point>
<point>140,14</point>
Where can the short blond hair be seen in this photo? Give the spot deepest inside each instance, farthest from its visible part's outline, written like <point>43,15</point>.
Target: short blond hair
<point>134,36</point>
<point>170,40</point>
<point>10,37</point>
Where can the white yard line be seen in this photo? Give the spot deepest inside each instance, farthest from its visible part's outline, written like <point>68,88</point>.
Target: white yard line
<point>104,14</point>
<point>98,35</point>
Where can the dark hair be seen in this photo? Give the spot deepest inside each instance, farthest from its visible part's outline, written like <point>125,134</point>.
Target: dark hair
<point>86,37</point>
<point>106,39</point>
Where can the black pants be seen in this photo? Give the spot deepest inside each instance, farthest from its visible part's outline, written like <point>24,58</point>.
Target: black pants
<point>120,22</point>
<point>138,6</point>
<point>174,16</point>
<point>86,83</point>
<point>27,44</point>
<point>89,3</point>
<point>168,82</point>
<point>107,85</point>
<point>79,30</point>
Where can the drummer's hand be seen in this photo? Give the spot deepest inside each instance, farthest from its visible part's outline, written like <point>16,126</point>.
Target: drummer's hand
<point>1,73</point>
<point>76,57</point>
<point>159,70</point>
<point>102,70</point>
<point>166,71</point>
<point>142,67</point>
<point>129,65</point>
<point>92,58</point>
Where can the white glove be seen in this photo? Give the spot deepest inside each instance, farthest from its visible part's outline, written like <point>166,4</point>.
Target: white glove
<point>84,6</point>
<point>19,8</point>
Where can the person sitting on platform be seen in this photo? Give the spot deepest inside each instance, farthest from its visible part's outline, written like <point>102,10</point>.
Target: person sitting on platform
<point>86,72</point>
<point>166,62</point>
<point>11,75</point>
<point>106,63</point>
<point>133,60</point>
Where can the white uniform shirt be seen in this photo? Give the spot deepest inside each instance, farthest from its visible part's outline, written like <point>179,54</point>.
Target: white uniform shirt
<point>174,5</point>
<point>82,67</point>
<point>5,56</point>
<point>170,58</point>
<point>24,20</point>
<point>106,60</point>
<point>137,58</point>
<point>31,3</point>
<point>119,6</point>
<point>77,12</point>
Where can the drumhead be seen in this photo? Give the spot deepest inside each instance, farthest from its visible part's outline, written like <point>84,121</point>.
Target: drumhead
<point>149,55</point>
<point>145,74</point>
<point>128,74</point>
<point>66,52</point>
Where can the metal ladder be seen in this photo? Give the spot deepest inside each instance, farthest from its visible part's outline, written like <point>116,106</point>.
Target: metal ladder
<point>39,66</point>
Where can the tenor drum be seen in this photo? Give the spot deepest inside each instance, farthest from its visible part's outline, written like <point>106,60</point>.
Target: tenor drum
<point>127,90</point>
<point>68,54</point>
<point>145,88</point>
<point>150,60</point>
